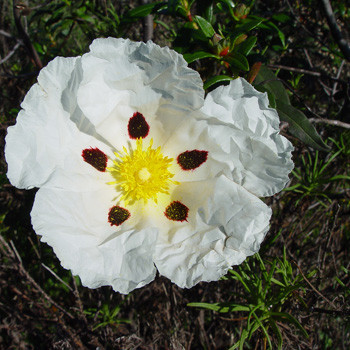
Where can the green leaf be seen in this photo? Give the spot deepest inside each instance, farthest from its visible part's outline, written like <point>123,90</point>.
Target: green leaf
<point>246,26</point>
<point>263,329</point>
<point>173,5</point>
<point>339,177</point>
<point>205,26</point>
<point>275,281</point>
<point>277,332</point>
<point>229,4</point>
<point>268,79</point>
<point>247,45</point>
<point>284,315</point>
<point>300,126</point>
<point>209,13</point>
<point>190,57</point>
<point>144,10</point>
<point>216,80</point>
<point>279,33</point>
<point>220,307</point>
<point>238,60</point>
<point>281,17</point>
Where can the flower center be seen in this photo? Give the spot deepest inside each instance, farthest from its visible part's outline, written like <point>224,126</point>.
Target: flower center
<point>144,174</point>
<point>141,174</point>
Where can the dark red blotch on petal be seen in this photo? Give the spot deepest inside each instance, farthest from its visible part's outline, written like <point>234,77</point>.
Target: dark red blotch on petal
<point>190,160</point>
<point>117,215</point>
<point>96,158</point>
<point>138,127</point>
<point>176,211</point>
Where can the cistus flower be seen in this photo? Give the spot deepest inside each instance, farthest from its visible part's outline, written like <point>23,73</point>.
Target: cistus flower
<point>137,171</point>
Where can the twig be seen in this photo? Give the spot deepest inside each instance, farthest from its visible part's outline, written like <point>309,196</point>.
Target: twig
<point>334,90</point>
<point>147,25</point>
<point>313,288</point>
<point>74,336</point>
<point>55,275</point>
<point>8,35</point>
<point>308,58</point>
<point>16,252</point>
<point>330,122</point>
<point>79,302</point>
<point>325,88</point>
<point>331,312</point>
<point>23,34</point>
<point>292,69</point>
<point>31,280</point>
<point>333,26</point>
<point>8,56</point>
<point>305,71</point>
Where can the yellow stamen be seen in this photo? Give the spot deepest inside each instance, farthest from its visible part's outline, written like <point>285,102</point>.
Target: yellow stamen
<point>141,174</point>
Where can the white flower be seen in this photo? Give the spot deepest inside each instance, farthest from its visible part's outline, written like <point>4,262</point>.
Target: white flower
<point>137,172</point>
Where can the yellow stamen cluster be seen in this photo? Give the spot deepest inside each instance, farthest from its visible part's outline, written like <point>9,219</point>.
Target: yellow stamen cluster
<point>141,174</point>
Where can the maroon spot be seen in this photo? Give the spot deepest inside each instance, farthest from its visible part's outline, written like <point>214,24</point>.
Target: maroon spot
<point>190,160</point>
<point>117,215</point>
<point>176,211</point>
<point>96,158</point>
<point>138,126</point>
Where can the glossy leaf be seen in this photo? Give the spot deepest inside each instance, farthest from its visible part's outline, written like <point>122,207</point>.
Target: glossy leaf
<point>300,126</point>
<point>246,26</point>
<point>246,46</point>
<point>191,57</point>
<point>205,26</point>
<point>209,13</point>
<point>215,80</point>
<point>267,79</point>
<point>279,33</point>
<point>238,60</point>
<point>144,10</point>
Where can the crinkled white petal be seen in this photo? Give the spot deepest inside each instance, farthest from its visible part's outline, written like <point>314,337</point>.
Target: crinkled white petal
<point>247,131</point>
<point>226,224</point>
<point>44,147</point>
<point>76,225</point>
<point>191,135</point>
<point>121,77</point>
<point>34,145</point>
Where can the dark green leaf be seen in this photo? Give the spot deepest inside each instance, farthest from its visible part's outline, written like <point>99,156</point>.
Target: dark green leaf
<point>220,307</point>
<point>209,13</point>
<point>190,57</point>
<point>246,46</point>
<point>268,80</point>
<point>271,26</point>
<point>216,80</point>
<point>281,17</point>
<point>238,60</point>
<point>229,4</point>
<point>205,26</point>
<point>277,332</point>
<point>173,5</point>
<point>246,26</point>
<point>300,126</point>
<point>291,319</point>
<point>144,10</point>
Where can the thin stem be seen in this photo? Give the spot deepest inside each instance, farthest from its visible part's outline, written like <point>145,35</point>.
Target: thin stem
<point>333,26</point>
